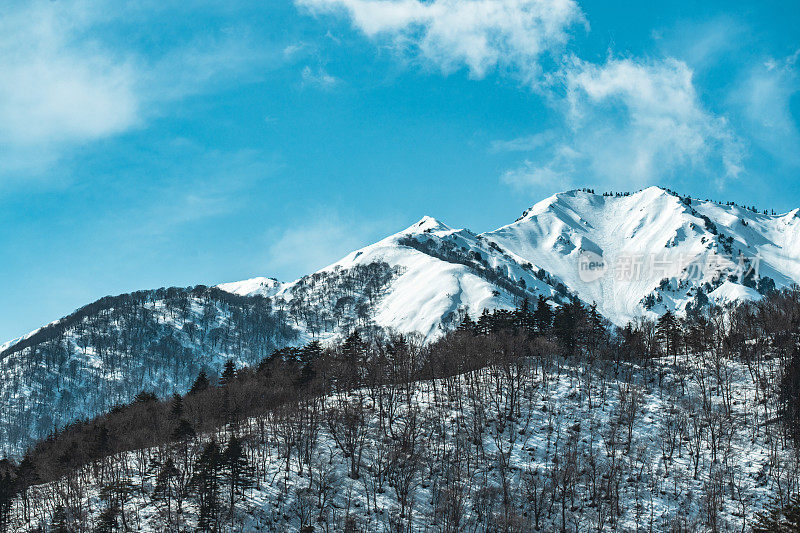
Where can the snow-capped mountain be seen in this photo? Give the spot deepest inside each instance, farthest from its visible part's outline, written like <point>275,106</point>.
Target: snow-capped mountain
<point>419,281</point>
<point>439,274</point>
<point>659,251</point>
<point>654,251</point>
<point>633,254</point>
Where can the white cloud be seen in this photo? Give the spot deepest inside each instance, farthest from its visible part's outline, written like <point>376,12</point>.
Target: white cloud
<point>555,172</point>
<point>639,122</point>
<point>530,175</point>
<point>325,237</point>
<point>765,97</point>
<point>292,50</point>
<point>57,87</point>
<point>706,44</point>
<point>318,77</point>
<point>479,34</point>
<point>526,143</point>
<point>203,65</point>
<point>627,124</point>
<point>67,81</point>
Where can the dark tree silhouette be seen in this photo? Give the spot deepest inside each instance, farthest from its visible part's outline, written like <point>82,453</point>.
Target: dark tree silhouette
<point>237,472</point>
<point>206,481</point>
<point>200,384</point>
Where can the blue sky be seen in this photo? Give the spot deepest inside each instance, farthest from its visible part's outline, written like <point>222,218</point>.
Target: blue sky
<point>148,145</point>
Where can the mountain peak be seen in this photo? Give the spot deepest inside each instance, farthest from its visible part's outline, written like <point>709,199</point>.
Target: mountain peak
<point>552,201</point>
<point>566,197</point>
<point>425,225</point>
<point>260,285</point>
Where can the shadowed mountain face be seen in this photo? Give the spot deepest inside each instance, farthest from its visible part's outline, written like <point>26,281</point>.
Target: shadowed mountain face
<point>634,255</point>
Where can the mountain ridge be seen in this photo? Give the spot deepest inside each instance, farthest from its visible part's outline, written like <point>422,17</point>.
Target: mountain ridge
<point>420,282</point>
<point>658,218</point>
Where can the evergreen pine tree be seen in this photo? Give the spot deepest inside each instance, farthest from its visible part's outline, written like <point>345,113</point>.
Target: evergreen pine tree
<point>467,325</point>
<point>163,488</point>
<point>26,477</point>
<point>266,363</point>
<point>523,317</point>
<point>107,521</point>
<point>668,330</point>
<point>176,410</point>
<point>594,331</point>
<point>565,325</point>
<point>236,470</point>
<point>484,326</point>
<point>60,522</point>
<point>353,350</point>
<point>116,495</point>
<point>354,355</point>
<point>311,351</point>
<point>200,384</point>
<point>543,316</point>
<point>307,357</point>
<point>779,519</point>
<point>228,373</point>
<point>6,499</point>
<point>145,397</point>
<point>102,442</point>
<point>502,320</point>
<point>183,430</point>
<point>206,483</point>
<point>789,396</point>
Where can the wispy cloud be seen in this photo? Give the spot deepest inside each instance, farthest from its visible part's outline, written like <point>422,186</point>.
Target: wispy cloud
<point>529,175</point>
<point>627,123</point>
<point>204,64</point>
<point>198,185</point>
<point>480,35</point>
<point>67,81</point>
<point>56,85</point>
<point>707,43</point>
<point>522,144</point>
<point>319,239</point>
<point>318,77</point>
<point>764,95</point>
<point>643,120</point>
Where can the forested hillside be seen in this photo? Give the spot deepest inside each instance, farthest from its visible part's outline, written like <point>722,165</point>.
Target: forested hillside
<point>540,418</point>
<point>107,352</point>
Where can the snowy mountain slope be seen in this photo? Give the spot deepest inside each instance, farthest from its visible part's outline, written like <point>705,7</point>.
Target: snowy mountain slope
<point>443,274</point>
<point>660,251</point>
<point>420,281</point>
<point>266,287</point>
<point>774,238</point>
<point>646,442</point>
<point>108,351</point>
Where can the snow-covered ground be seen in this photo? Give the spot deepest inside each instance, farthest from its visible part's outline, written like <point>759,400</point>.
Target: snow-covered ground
<point>615,447</point>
